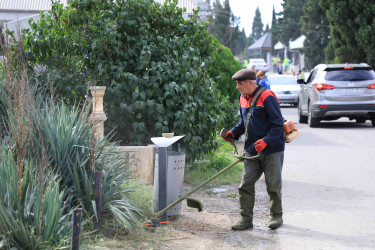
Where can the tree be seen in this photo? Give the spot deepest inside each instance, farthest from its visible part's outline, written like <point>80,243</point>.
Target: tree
<point>223,68</point>
<point>221,24</point>
<point>366,33</point>
<point>257,29</point>
<point>290,23</point>
<point>275,31</point>
<point>154,63</point>
<point>267,29</point>
<point>316,29</point>
<point>224,27</point>
<point>352,29</point>
<point>239,42</point>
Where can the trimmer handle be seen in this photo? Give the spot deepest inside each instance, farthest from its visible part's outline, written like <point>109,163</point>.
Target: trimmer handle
<point>223,133</point>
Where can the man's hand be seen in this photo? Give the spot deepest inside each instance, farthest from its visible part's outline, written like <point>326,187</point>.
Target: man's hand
<point>260,145</point>
<point>228,136</point>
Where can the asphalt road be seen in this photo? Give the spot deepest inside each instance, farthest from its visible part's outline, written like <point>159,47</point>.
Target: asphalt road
<point>329,186</point>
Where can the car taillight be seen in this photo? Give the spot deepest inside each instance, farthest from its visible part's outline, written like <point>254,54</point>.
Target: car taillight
<point>371,86</point>
<point>321,86</point>
<point>348,67</point>
<point>323,106</point>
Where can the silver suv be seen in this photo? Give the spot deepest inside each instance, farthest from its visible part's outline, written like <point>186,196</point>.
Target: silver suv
<point>333,91</point>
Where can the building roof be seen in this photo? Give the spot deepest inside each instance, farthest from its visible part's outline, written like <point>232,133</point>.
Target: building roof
<point>279,45</point>
<point>29,5</point>
<point>298,43</point>
<point>262,43</point>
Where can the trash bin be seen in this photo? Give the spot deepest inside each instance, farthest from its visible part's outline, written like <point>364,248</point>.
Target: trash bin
<point>168,174</point>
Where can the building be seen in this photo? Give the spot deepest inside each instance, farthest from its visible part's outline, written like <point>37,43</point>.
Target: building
<point>21,10</point>
<point>296,55</point>
<point>15,14</point>
<point>261,48</point>
<point>294,51</point>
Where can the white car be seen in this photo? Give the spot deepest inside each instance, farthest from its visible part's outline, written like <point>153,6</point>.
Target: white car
<point>285,88</point>
<point>259,64</point>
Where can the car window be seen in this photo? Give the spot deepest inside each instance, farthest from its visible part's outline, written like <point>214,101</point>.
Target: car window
<point>349,75</point>
<point>312,76</point>
<point>258,61</point>
<point>282,81</point>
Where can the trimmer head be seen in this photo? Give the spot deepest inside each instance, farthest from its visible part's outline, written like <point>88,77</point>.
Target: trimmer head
<point>194,203</point>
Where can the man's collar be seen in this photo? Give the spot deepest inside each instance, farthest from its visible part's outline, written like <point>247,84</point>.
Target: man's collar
<point>256,90</point>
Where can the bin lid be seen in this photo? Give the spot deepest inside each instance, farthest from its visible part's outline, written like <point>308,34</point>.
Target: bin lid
<point>166,141</point>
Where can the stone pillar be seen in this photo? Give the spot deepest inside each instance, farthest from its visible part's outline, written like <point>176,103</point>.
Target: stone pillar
<point>98,116</point>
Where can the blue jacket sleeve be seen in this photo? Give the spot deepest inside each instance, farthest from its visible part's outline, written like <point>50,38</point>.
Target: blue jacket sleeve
<point>266,83</point>
<point>276,120</point>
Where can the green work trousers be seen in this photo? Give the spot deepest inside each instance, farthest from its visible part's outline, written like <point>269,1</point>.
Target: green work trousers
<point>271,165</point>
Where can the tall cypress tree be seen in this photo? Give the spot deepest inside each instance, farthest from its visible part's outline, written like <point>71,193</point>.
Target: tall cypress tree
<point>267,29</point>
<point>366,33</point>
<point>275,30</point>
<point>224,27</point>
<point>257,30</point>
<point>290,23</point>
<point>220,27</point>
<point>239,42</point>
<point>352,29</point>
<point>316,29</point>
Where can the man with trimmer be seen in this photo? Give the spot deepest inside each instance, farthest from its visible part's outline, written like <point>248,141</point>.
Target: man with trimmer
<point>262,123</point>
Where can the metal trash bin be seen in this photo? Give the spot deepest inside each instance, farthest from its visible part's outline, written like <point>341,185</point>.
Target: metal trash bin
<point>168,175</point>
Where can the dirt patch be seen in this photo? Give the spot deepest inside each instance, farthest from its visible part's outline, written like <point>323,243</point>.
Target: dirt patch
<point>211,228</point>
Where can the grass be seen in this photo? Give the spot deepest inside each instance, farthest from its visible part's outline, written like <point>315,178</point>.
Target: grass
<point>142,197</point>
<point>200,171</point>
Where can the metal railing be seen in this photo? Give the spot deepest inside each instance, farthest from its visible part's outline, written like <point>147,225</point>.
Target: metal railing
<point>188,4</point>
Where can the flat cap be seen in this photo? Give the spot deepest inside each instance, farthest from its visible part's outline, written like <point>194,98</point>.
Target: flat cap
<point>244,74</point>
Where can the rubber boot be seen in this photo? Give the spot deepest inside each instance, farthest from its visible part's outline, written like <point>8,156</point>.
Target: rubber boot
<point>244,223</point>
<point>275,223</point>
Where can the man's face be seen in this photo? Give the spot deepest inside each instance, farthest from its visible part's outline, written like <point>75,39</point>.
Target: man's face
<point>246,87</point>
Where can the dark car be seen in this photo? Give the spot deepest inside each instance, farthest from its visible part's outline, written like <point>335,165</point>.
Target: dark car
<point>333,91</point>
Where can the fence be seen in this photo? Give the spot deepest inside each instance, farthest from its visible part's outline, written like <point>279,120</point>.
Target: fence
<point>188,4</point>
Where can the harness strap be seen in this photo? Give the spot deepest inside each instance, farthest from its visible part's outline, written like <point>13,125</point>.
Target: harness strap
<point>252,105</point>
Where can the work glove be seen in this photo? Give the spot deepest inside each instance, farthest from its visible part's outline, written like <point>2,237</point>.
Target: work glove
<point>228,136</point>
<point>260,145</point>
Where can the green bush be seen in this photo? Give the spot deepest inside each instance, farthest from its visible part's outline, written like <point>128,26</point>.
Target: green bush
<point>223,68</point>
<point>154,63</point>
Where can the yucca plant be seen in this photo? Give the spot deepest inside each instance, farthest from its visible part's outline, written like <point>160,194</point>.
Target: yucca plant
<point>68,134</point>
<point>20,224</point>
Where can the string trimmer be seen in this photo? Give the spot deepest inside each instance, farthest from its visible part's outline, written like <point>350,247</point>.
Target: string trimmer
<point>193,202</point>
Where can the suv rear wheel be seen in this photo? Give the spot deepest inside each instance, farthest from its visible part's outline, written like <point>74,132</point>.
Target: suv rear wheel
<point>313,122</point>
<point>302,118</point>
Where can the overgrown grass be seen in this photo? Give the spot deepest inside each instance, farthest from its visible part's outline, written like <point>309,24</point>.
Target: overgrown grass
<point>141,237</point>
<point>142,197</point>
<point>200,171</point>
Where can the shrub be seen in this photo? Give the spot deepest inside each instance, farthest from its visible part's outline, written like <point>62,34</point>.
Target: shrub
<point>154,63</point>
<point>223,68</point>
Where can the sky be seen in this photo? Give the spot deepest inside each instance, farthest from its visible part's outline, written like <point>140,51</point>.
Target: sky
<point>245,9</point>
